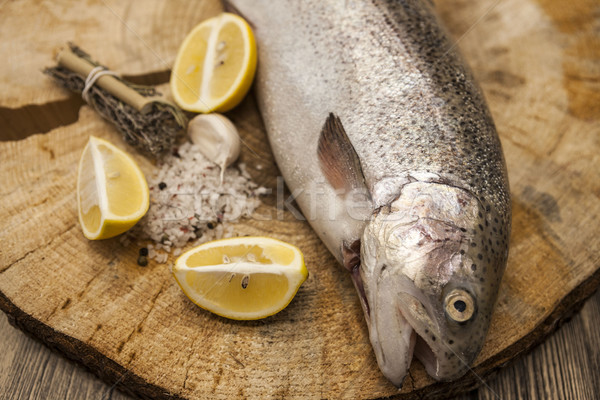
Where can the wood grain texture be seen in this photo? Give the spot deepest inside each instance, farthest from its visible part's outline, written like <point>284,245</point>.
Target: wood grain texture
<point>132,325</point>
<point>563,367</point>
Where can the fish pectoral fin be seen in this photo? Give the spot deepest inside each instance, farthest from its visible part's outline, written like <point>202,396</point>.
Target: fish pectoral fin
<point>338,159</point>
<point>351,261</point>
<point>351,254</point>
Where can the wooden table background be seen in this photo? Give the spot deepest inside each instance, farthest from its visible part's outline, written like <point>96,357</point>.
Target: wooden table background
<point>566,366</point>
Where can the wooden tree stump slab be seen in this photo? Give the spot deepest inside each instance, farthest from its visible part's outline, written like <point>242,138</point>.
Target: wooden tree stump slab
<point>538,65</point>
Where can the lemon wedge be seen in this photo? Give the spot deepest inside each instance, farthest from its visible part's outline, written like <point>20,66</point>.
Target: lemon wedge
<point>215,65</point>
<point>112,193</point>
<point>241,278</point>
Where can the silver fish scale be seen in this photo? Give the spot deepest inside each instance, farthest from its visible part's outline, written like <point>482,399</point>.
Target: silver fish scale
<point>410,108</point>
<point>426,113</point>
<point>408,104</point>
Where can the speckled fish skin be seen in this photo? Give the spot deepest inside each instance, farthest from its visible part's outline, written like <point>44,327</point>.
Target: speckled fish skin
<point>432,162</point>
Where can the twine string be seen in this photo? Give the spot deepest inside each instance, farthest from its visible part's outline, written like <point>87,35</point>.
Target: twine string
<point>95,74</point>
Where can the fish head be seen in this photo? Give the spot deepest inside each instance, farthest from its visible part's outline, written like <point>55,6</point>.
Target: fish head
<point>429,280</point>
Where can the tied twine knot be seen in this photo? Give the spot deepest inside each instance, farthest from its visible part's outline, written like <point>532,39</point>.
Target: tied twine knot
<point>95,74</point>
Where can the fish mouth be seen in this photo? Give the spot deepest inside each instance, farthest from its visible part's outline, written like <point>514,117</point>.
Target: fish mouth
<point>405,329</point>
<point>429,343</point>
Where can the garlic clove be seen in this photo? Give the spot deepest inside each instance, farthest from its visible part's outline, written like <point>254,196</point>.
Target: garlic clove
<point>217,138</point>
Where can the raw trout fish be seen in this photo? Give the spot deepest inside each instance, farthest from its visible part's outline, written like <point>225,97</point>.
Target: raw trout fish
<point>387,144</point>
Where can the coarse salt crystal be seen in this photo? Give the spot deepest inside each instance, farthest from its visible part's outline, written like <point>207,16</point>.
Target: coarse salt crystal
<point>194,205</point>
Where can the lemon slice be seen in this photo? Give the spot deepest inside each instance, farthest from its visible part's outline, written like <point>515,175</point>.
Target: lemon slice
<point>241,278</point>
<point>112,193</point>
<point>215,65</point>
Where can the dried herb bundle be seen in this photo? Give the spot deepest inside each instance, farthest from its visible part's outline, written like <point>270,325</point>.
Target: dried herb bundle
<point>146,120</point>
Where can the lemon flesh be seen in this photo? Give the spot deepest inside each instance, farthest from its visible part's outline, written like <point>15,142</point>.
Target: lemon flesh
<point>215,65</point>
<point>112,193</point>
<point>241,278</point>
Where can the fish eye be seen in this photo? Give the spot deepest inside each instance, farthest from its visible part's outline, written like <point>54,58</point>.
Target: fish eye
<point>459,305</point>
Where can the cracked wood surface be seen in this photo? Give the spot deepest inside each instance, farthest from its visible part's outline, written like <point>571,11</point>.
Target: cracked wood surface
<point>537,62</point>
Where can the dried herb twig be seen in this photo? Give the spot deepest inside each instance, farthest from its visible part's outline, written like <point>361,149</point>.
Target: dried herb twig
<point>146,120</point>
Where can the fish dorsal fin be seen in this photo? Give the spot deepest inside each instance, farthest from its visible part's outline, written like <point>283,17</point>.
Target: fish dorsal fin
<point>337,157</point>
